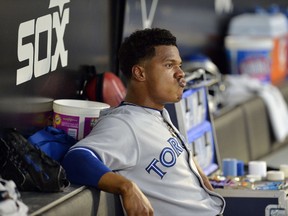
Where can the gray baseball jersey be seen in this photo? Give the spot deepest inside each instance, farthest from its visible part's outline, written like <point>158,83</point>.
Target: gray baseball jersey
<point>135,142</point>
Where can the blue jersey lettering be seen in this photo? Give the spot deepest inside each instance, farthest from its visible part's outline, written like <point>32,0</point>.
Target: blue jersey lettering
<point>165,160</point>
<point>167,157</point>
<point>155,168</point>
<point>176,146</point>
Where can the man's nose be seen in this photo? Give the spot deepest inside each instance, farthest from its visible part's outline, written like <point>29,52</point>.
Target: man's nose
<point>180,73</point>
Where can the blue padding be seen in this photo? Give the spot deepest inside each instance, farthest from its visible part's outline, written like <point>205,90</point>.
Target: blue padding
<point>53,142</point>
<point>83,167</point>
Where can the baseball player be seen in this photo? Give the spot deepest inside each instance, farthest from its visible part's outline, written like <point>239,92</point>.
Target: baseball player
<point>134,150</point>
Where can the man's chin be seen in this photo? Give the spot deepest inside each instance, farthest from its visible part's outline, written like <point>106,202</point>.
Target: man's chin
<point>180,97</point>
<point>177,99</point>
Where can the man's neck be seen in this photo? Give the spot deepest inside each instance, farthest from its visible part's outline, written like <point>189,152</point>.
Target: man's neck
<point>144,103</point>
<point>139,96</point>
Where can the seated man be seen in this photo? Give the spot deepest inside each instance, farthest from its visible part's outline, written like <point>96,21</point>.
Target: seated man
<point>134,150</point>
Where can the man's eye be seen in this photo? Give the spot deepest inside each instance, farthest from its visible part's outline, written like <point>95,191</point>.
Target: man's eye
<point>168,65</point>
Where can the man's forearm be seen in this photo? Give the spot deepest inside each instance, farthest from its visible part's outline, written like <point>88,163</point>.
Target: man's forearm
<point>114,183</point>
<point>134,201</point>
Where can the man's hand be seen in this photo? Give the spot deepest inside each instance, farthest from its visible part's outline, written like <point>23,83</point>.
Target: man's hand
<point>134,201</point>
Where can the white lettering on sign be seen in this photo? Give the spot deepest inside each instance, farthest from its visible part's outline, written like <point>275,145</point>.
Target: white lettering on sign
<point>147,20</point>
<point>223,6</point>
<point>29,51</point>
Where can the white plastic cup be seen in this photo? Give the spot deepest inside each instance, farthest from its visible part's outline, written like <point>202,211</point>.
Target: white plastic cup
<point>257,168</point>
<point>284,168</point>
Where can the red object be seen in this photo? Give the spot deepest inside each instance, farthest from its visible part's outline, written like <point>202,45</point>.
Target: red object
<point>107,88</point>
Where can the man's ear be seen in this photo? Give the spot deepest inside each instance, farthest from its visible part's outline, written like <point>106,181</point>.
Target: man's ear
<point>138,73</point>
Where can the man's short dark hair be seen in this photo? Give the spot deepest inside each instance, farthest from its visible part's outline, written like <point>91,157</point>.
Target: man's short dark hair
<point>140,45</point>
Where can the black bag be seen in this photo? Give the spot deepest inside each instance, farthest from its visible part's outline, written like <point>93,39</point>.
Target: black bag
<point>28,166</point>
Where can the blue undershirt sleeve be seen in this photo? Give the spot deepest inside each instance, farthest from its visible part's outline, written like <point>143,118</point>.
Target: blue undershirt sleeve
<point>83,167</point>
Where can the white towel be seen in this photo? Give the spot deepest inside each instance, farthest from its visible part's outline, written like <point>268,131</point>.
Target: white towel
<point>277,109</point>
<point>10,203</point>
<point>241,87</point>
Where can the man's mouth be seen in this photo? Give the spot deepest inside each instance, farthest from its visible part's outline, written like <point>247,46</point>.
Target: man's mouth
<point>182,82</point>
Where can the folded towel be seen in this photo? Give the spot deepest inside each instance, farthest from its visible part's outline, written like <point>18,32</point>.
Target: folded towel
<point>277,110</point>
<point>241,87</point>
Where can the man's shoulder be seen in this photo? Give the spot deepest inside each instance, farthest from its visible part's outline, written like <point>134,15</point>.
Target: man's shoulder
<point>124,111</point>
<point>130,115</point>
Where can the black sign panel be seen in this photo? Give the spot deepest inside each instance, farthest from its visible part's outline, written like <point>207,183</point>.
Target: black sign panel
<point>44,45</point>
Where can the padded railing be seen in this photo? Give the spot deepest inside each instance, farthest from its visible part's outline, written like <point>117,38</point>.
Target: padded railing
<point>244,131</point>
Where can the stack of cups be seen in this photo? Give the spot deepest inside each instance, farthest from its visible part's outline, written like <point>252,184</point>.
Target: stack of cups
<point>257,170</point>
<point>284,169</point>
<point>232,167</point>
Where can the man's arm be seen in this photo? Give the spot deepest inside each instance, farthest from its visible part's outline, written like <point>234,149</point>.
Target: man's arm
<point>134,201</point>
<point>85,168</point>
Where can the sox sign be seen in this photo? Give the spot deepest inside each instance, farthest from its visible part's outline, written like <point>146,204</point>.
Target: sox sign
<point>29,51</point>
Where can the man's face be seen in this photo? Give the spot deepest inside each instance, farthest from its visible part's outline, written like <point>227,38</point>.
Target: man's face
<point>165,79</point>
